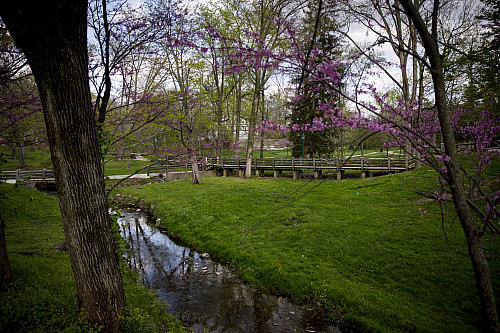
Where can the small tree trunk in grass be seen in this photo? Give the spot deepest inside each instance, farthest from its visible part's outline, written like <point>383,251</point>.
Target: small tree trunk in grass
<point>196,172</point>
<point>12,149</point>
<point>20,154</point>
<point>248,161</point>
<point>251,129</point>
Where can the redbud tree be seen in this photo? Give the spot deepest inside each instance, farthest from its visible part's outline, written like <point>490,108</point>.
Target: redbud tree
<point>415,124</point>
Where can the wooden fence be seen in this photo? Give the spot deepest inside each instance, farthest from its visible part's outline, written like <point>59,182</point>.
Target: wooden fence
<point>166,168</point>
<point>318,165</point>
<point>339,164</point>
<point>23,175</point>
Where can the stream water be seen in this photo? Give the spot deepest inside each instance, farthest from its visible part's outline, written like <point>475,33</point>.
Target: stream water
<point>204,294</point>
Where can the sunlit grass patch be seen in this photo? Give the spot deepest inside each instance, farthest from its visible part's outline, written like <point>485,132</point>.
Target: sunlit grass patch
<point>124,167</point>
<point>358,247</point>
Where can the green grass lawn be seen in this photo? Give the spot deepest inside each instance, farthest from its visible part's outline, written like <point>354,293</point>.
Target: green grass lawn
<point>43,298</point>
<point>116,167</point>
<point>359,248</point>
<point>39,158</point>
<point>36,158</point>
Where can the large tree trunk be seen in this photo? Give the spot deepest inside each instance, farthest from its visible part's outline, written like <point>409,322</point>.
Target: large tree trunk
<point>472,234</point>
<point>6,276</point>
<point>55,45</point>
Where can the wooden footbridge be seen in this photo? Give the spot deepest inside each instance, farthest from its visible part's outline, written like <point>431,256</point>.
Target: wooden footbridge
<point>364,165</point>
<point>44,175</point>
<point>236,167</point>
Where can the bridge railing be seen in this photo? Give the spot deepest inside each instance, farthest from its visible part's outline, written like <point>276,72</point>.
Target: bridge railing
<point>22,175</point>
<point>174,167</point>
<point>313,164</point>
<point>338,164</point>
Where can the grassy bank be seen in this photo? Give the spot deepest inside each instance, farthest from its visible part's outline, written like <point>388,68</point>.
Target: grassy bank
<point>43,298</point>
<point>117,167</point>
<point>359,248</point>
<point>36,158</point>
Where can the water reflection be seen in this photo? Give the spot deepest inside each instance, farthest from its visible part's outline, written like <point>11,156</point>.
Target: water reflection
<point>203,293</point>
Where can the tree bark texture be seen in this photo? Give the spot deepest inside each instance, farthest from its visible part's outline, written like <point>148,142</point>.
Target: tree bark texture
<point>196,178</point>
<point>55,45</point>
<point>476,253</point>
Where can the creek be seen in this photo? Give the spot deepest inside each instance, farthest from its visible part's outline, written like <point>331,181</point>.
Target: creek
<point>205,295</point>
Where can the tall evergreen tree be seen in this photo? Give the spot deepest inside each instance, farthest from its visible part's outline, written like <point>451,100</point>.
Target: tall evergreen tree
<point>318,33</point>
<point>483,63</point>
